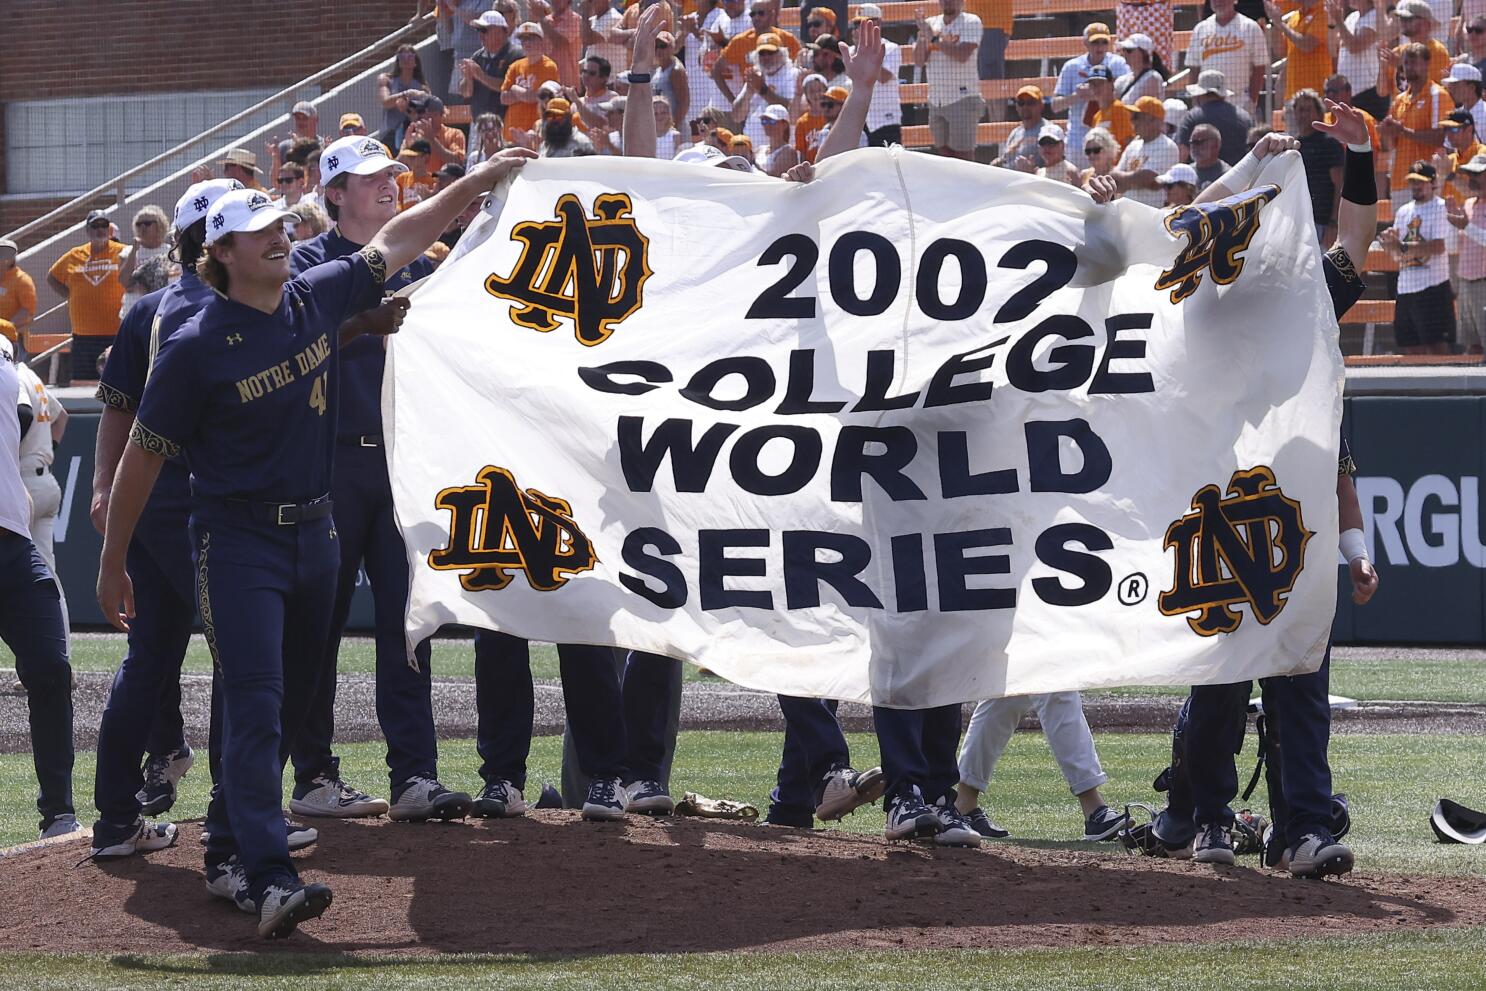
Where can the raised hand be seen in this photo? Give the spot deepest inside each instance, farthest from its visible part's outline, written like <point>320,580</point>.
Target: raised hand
<point>1347,124</point>
<point>864,66</point>
<point>652,20</point>
<point>1273,144</point>
<point>1102,188</point>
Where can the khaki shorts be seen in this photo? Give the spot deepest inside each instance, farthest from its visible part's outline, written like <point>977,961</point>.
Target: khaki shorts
<point>953,125</point>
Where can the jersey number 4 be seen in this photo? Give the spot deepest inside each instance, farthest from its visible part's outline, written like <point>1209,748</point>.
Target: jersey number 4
<point>317,395</point>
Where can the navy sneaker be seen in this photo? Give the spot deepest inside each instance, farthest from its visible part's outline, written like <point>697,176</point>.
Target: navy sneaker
<point>287,904</point>
<point>605,801</point>
<point>500,800</point>
<point>780,815</point>
<point>1213,845</point>
<point>550,798</point>
<point>983,824</point>
<point>1104,823</point>
<point>227,880</point>
<point>422,798</point>
<point>909,818</point>
<point>955,828</point>
<point>1319,854</point>
<point>162,775</point>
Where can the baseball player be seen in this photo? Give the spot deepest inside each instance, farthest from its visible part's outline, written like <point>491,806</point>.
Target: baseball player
<point>361,196</point>
<point>143,713</point>
<point>38,444</point>
<point>816,779</point>
<point>31,623</point>
<point>505,703</point>
<point>1297,706</point>
<point>248,390</point>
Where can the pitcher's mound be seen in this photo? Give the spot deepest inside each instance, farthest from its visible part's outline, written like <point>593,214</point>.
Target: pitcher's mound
<point>551,883</point>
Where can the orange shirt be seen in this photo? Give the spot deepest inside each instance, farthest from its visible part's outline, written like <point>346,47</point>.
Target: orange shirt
<point>805,129</point>
<point>17,292</point>
<point>411,189</point>
<point>1422,114</point>
<point>524,72</point>
<point>1439,59</point>
<point>992,14</point>
<point>451,137</point>
<point>737,51</point>
<point>566,52</point>
<point>1307,70</point>
<point>1116,120</point>
<point>7,329</point>
<point>94,293</point>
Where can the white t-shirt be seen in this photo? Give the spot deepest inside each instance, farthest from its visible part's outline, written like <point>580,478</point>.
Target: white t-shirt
<point>614,51</point>
<point>667,145</point>
<point>1360,68</point>
<point>1159,154</point>
<point>820,137</point>
<point>1444,10</point>
<point>782,81</point>
<point>1022,142</point>
<point>1422,222</point>
<point>702,54</point>
<point>950,80</point>
<point>36,445</point>
<point>886,106</point>
<point>1233,49</point>
<point>15,505</point>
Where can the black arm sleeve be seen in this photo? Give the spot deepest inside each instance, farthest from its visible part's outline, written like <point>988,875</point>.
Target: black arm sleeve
<point>24,414</point>
<point>1358,184</point>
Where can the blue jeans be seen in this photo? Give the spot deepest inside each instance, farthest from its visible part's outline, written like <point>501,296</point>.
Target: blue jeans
<point>31,626</point>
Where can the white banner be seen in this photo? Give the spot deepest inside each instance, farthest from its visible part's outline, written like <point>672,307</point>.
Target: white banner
<point>916,432</point>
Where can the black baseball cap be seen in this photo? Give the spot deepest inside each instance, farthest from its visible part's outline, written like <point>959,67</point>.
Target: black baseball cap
<point>1100,72</point>
<point>1459,118</point>
<point>451,171</point>
<point>97,218</point>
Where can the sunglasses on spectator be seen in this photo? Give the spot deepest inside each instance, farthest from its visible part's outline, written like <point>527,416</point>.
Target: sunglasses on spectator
<point>815,24</point>
<point>828,103</point>
<point>100,226</point>
<point>661,46</point>
<point>1092,150</point>
<point>144,223</point>
<point>284,180</point>
<point>759,15</point>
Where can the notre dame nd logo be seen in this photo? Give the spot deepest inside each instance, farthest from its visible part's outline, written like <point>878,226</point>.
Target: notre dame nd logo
<point>1217,233</point>
<point>496,528</point>
<point>1246,548</point>
<point>590,270</point>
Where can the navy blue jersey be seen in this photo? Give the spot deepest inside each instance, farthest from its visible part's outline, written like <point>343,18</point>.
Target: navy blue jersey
<point>363,359</point>
<point>122,381</point>
<point>1343,281</point>
<point>250,397</point>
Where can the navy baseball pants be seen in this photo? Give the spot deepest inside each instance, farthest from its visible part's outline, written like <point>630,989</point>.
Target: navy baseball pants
<point>919,747</point>
<point>505,703</point>
<point>265,593</point>
<point>813,746</point>
<point>404,695</point>
<point>143,713</point>
<point>31,626</point>
<point>1297,709</point>
<point>652,714</point>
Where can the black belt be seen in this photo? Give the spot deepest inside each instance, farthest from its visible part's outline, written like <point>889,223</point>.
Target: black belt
<point>359,440</point>
<point>279,513</point>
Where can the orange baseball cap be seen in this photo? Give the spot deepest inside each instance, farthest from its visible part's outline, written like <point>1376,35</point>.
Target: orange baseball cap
<point>838,93</point>
<point>1031,91</point>
<point>767,43</point>
<point>558,107</point>
<point>1150,105</point>
<point>741,141</point>
<point>723,135</point>
<point>1097,31</point>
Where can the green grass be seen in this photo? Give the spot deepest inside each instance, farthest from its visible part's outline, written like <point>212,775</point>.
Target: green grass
<point>1448,958</point>
<point>1393,782</point>
<point>1435,680</point>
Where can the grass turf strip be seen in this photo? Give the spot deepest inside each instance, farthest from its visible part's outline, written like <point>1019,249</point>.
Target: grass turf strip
<point>1424,681</point>
<point>1393,782</point>
<point>1439,959</point>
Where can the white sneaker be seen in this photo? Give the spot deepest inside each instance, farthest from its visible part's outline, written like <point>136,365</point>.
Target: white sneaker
<point>162,777</point>
<point>423,798</point>
<point>147,836</point>
<point>847,790</point>
<point>64,825</point>
<point>955,828</point>
<point>499,800</point>
<point>334,799</point>
<point>909,818</point>
<point>606,800</point>
<point>648,798</point>
<point>228,881</point>
<point>284,907</point>
<point>1213,846</point>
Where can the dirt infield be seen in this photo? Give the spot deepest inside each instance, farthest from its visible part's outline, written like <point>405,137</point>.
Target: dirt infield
<point>551,884</point>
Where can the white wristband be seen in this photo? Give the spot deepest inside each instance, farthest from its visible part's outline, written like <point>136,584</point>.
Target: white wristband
<point>1353,546</point>
<point>1365,148</point>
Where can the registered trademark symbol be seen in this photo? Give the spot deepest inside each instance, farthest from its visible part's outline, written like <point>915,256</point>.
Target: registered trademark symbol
<point>1133,589</point>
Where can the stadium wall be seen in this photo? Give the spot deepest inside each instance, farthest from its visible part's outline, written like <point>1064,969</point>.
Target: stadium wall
<point>1420,465</point>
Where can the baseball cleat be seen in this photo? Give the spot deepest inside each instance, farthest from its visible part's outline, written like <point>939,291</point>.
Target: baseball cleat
<point>228,881</point>
<point>499,800</point>
<point>422,798</point>
<point>1212,845</point>
<point>605,801</point>
<point>1104,824</point>
<point>298,836</point>
<point>1317,855</point>
<point>648,798</point>
<point>909,818</point>
<point>285,906</point>
<point>955,826</point>
<point>146,836</point>
<point>983,824</point>
<point>846,790</point>
<point>162,776</point>
<point>330,797</point>
<point>64,825</point>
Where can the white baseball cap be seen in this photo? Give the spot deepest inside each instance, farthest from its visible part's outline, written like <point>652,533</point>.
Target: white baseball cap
<point>775,112</point>
<point>243,211</point>
<point>711,155</point>
<point>1141,41</point>
<point>1463,72</point>
<point>356,154</point>
<point>490,19</point>
<point>198,200</point>
<point>1180,172</point>
<point>1050,133</point>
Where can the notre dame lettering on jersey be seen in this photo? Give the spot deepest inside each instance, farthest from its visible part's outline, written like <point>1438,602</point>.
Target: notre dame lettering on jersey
<point>590,270</point>
<point>1247,548</point>
<point>496,527</point>
<point>1217,233</point>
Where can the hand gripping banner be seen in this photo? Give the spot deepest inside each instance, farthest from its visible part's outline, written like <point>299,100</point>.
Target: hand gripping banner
<point>915,432</point>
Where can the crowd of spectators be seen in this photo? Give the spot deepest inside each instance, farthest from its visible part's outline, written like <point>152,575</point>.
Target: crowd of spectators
<point>1163,123</point>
